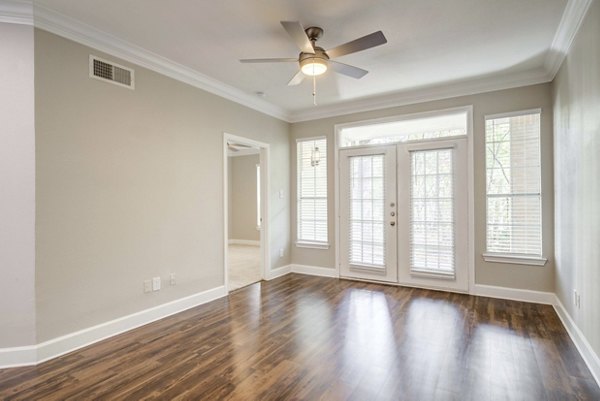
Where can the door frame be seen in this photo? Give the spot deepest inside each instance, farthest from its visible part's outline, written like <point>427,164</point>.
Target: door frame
<point>264,156</point>
<point>470,179</point>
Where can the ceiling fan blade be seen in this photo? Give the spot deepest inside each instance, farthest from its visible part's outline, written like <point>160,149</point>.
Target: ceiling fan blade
<point>296,31</point>
<point>269,60</point>
<point>348,70</point>
<point>296,79</point>
<point>360,44</point>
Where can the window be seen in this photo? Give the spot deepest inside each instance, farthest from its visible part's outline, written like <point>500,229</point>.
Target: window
<point>514,199</point>
<point>442,124</point>
<point>312,192</point>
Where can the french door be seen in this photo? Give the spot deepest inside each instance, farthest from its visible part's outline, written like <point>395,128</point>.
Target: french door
<point>368,213</point>
<point>404,214</point>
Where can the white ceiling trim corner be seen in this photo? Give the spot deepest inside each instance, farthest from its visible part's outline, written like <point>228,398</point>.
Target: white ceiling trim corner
<point>569,25</point>
<point>59,24</point>
<point>421,95</point>
<point>16,12</point>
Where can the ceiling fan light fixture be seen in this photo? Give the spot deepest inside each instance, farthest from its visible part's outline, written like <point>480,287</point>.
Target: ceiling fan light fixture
<point>313,66</point>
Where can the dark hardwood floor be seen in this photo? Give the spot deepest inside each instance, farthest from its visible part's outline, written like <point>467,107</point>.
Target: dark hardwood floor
<point>312,338</point>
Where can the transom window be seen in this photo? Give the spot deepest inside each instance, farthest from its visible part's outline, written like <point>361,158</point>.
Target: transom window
<point>441,124</point>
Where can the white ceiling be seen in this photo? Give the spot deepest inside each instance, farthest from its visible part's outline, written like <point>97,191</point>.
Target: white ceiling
<point>430,42</point>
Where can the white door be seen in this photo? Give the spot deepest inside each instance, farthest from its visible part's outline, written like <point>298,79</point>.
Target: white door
<point>404,214</point>
<point>368,213</point>
<point>433,222</point>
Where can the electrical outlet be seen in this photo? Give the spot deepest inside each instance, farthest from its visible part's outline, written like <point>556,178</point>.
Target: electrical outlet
<point>147,285</point>
<point>281,252</point>
<point>155,283</point>
<point>172,279</point>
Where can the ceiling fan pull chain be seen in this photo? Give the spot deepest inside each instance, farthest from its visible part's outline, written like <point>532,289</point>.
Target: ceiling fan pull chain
<point>314,90</point>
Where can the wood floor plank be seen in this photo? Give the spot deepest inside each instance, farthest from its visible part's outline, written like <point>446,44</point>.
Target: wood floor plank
<point>312,338</point>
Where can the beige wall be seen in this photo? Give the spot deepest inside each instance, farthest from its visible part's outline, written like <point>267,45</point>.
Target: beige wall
<point>242,198</point>
<point>505,275</point>
<point>17,186</point>
<point>577,177</point>
<point>130,186</point>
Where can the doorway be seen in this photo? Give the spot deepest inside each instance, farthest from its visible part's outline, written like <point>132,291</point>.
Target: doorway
<point>246,178</point>
<point>404,214</point>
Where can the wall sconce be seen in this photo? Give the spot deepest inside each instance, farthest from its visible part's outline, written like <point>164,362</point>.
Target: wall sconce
<point>315,157</point>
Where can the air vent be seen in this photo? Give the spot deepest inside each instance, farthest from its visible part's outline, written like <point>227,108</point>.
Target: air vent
<point>110,72</point>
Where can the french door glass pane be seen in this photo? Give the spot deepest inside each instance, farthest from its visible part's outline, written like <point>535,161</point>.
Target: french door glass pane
<point>366,210</point>
<point>432,211</point>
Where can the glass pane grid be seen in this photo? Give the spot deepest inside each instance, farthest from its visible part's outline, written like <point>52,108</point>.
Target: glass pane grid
<point>367,194</point>
<point>432,211</point>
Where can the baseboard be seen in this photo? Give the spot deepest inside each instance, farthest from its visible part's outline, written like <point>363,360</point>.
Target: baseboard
<point>514,294</point>
<point>314,271</point>
<point>243,242</point>
<point>278,272</point>
<point>35,354</point>
<point>18,356</point>
<point>586,351</point>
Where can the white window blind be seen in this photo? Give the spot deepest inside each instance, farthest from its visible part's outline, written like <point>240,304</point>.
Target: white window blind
<point>312,190</point>
<point>367,197</point>
<point>514,200</point>
<point>432,211</point>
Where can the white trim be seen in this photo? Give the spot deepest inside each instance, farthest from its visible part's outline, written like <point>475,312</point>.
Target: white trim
<point>514,259</point>
<point>513,294</point>
<point>243,152</point>
<point>265,182</point>
<point>13,357</point>
<point>315,271</point>
<point>278,272</point>
<point>569,25</point>
<point>471,197</point>
<point>67,27</point>
<point>415,96</point>
<point>586,351</point>
<point>35,354</point>
<point>312,245</point>
<point>243,242</point>
<point>16,12</point>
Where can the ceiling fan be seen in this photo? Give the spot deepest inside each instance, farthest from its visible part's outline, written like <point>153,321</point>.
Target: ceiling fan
<point>314,60</point>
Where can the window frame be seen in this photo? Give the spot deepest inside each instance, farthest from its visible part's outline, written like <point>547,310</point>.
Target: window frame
<point>303,243</point>
<point>504,257</point>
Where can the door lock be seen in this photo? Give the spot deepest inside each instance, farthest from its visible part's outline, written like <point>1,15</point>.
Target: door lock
<point>393,214</point>
<point>392,223</point>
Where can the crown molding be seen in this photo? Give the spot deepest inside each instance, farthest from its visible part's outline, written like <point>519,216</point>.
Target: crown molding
<point>569,25</point>
<point>67,27</point>
<point>421,95</point>
<point>16,12</point>
<point>25,12</point>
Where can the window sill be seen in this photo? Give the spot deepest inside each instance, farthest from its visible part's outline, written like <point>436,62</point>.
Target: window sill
<point>515,259</point>
<point>313,245</point>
